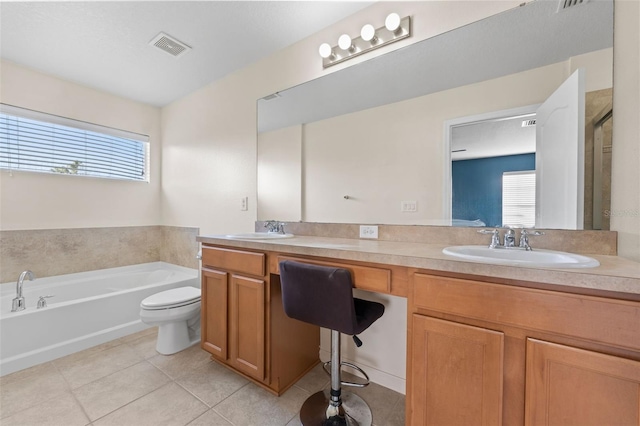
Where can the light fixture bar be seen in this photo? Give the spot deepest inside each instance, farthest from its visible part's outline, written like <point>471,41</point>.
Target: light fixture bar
<point>360,46</point>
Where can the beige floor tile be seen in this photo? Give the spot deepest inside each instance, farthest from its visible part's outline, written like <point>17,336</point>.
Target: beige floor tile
<point>182,363</point>
<point>212,383</point>
<point>314,380</point>
<point>78,356</point>
<point>210,418</point>
<point>60,411</point>
<point>396,416</point>
<point>97,365</point>
<point>29,388</point>
<point>145,345</point>
<point>295,421</point>
<point>109,393</point>
<point>25,374</point>
<point>381,400</point>
<point>252,406</point>
<point>135,336</point>
<point>170,405</point>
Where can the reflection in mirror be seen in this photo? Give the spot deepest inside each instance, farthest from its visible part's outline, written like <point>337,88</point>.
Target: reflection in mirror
<point>369,141</point>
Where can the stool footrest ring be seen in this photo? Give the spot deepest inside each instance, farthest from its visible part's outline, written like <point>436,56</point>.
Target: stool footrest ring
<point>350,365</point>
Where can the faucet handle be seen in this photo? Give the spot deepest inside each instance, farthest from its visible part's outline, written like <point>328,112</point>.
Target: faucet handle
<point>42,303</point>
<point>495,236</point>
<point>524,238</point>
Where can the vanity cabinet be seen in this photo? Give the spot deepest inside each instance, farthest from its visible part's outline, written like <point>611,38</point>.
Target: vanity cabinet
<point>243,324</point>
<point>570,386</point>
<point>457,373</point>
<point>491,354</point>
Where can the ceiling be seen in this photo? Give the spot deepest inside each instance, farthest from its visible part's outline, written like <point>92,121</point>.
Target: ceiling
<point>105,45</point>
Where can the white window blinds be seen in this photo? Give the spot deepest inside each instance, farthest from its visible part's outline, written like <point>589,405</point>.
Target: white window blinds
<point>39,142</point>
<point>519,198</point>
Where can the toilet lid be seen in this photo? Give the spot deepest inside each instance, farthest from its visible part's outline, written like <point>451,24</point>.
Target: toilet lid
<point>170,298</point>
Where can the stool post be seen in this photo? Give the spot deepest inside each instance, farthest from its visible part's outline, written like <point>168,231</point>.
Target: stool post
<point>336,379</point>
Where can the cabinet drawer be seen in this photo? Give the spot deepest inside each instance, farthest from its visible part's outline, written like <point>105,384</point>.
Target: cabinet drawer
<point>245,262</point>
<point>608,321</point>
<point>364,277</point>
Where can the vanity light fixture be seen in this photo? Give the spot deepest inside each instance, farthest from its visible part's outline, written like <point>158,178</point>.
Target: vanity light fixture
<point>394,29</point>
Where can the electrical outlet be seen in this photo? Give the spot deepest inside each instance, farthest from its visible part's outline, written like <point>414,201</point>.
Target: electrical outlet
<point>368,231</point>
<point>408,206</point>
<point>244,204</point>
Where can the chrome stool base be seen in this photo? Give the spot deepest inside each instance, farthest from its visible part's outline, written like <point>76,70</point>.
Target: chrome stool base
<point>353,411</point>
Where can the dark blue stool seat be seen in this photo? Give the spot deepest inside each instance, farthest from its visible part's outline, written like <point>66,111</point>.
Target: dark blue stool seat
<point>323,295</point>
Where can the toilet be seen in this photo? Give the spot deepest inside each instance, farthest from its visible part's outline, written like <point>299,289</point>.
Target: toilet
<point>176,312</point>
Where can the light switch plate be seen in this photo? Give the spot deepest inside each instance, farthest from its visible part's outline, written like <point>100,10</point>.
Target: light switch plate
<point>408,206</point>
<point>368,231</point>
<point>244,204</point>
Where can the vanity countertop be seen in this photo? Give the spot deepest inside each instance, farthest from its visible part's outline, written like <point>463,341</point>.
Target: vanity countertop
<point>616,277</point>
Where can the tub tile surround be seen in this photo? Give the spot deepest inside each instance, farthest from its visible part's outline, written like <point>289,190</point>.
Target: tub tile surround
<point>49,252</point>
<point>138,387</point>
<point>582,242</point>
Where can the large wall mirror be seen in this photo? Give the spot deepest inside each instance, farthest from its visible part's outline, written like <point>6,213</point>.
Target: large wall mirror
<point>397,139</point>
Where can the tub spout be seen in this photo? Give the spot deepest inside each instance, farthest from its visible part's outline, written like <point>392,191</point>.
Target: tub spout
<point>18,301</point>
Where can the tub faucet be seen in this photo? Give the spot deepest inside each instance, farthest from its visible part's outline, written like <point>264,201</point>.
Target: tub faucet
<point>18,301</point>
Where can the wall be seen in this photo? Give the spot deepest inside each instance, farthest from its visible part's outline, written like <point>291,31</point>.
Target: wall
<point>625,179</point>
<point>209,137</point>
<point>45,201</point>
<point>279,174</point>
<point>477,186</point>
<point>382,156</point>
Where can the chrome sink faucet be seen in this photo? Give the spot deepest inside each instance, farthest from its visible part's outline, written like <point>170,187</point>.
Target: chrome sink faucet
<point>18,302</point>
<point>274,227</point>
<point>524,238</point>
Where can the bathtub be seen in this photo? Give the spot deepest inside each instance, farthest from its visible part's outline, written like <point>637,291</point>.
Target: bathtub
<point>88,308</point>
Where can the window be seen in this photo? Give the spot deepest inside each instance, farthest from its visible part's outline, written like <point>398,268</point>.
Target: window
<point>519,198</point>
<point>38,142</point>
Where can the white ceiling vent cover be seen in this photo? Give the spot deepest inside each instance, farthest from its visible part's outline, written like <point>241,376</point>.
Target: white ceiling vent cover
<point>170,45</point>
<point>566,4</point>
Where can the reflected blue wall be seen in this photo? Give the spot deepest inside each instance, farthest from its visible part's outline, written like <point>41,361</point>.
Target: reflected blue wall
<point>477,186</point>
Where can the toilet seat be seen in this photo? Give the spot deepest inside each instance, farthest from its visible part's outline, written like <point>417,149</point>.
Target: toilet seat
<point>174,298</point>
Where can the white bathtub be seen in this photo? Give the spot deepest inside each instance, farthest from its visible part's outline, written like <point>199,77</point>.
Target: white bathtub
<point>88,308</point>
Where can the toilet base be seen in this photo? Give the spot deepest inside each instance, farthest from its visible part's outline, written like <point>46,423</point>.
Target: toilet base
<point>174,337</point>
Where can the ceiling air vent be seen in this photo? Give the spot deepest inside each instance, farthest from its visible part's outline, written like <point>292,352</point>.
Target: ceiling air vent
<point>566,4</point>
<point>529,123</point>
<point>272,96</point>
<point>170,45</point>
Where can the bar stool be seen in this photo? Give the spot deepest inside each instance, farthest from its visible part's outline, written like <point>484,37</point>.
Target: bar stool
<point>323,296</point>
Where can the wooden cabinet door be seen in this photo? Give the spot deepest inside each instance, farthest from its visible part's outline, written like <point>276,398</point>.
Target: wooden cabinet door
<point>247,326</point>
<point>569,386</point>
<point>214,313</point>
<point>456,372</point>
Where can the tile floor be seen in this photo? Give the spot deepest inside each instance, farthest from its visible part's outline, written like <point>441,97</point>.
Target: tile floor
<point>126,382</point>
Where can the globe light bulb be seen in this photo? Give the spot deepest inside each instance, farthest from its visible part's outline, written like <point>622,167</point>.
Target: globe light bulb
<point>392,23</point>
<point>344,42</point>
<point>368,32</point>
<point>325,50</point>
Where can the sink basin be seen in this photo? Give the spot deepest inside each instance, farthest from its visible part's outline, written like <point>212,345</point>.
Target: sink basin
<point>259,236</point>
<point>518,257</point>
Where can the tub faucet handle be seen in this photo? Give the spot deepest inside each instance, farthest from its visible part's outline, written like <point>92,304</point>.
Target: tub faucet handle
<point>42,303</point>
